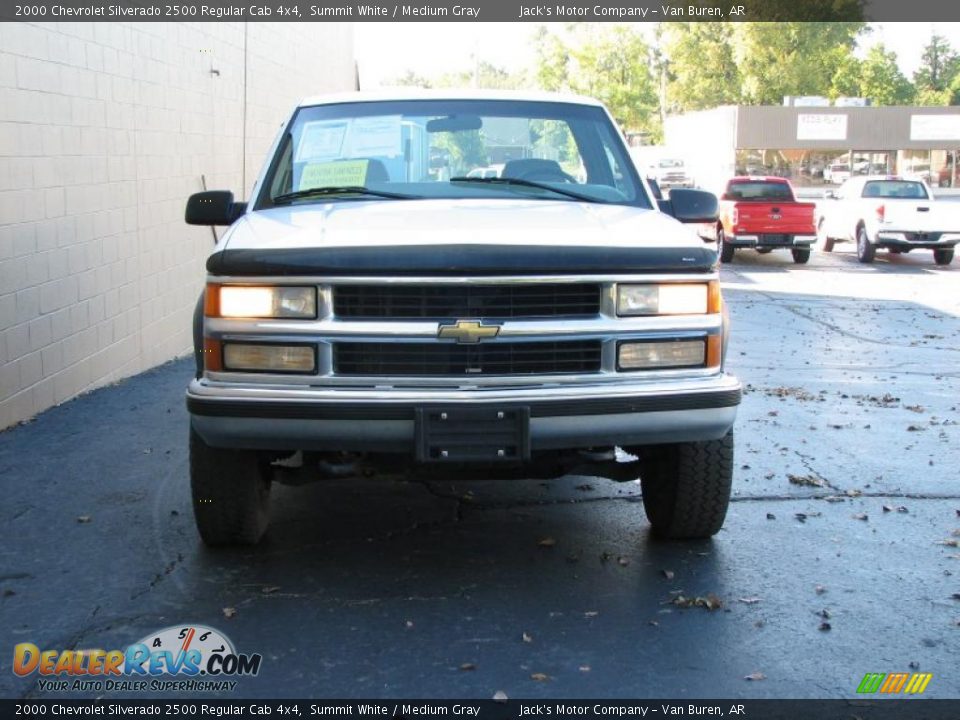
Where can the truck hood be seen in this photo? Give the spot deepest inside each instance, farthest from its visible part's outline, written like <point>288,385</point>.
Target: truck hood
<point>457,236</point>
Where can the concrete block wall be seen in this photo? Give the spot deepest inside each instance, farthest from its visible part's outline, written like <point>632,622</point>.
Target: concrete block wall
<point>105,129</point>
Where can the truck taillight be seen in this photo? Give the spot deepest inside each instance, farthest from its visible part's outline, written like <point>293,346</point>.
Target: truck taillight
<point>881,212</point>
<point>734,217</point>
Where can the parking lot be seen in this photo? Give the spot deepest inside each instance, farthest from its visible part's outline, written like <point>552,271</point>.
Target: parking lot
<point>839,555</point>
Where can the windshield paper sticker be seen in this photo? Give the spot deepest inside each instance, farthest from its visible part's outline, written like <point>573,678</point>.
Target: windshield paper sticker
<point>334,174</point>
<point>376,137</point>
<point>321,140</point>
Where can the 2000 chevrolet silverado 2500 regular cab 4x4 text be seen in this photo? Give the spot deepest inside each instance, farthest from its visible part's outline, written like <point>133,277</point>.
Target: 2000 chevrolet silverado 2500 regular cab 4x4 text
<point>376,300</point>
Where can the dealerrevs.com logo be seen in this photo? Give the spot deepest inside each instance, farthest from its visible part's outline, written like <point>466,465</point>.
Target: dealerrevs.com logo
<point>178,658</point>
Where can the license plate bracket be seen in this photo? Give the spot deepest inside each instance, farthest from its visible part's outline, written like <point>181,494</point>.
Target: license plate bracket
<point>473,434</point>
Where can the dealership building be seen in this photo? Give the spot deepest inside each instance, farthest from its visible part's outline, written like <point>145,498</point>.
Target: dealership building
<point>105,129</point>
<point>817,145</point>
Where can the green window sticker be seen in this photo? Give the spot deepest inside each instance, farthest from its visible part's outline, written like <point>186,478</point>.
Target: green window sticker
<point>334,174</point>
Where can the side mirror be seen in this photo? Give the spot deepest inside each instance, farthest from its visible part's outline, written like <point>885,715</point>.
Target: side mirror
<point>829,195</point>
<point>213,207</point>
<point>691,206</point>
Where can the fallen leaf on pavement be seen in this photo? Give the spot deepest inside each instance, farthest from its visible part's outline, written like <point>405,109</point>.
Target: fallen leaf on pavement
<point>623,561</point>
<point>547,542</point>
<point>710,602</point>
<point>820,589</point>
<point>861,516</point>
<point>229,612</point>
<point>755,676</point>
<point>668,574</point>
<point>539,677</point>
<point>527,638</point>
<point>771,516</point>
<point>825,626</point>
<point>806,480</point>
<point>84,519</point>
<point>750,600</point>
<point>468,666</point>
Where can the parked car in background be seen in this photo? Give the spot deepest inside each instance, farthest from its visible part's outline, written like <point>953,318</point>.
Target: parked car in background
<point>491,171</point>
<point>762,213</point>
<point>837,173</point>
<point>891,212</point>
<point>672,172</point>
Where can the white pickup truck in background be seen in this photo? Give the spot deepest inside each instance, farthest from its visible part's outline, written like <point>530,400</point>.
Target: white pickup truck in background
<point>891,212</point>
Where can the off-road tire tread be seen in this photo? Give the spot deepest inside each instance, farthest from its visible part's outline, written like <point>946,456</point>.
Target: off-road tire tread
<point>230,493</point>
<point>800,255</point>
<point>686,488</point>
<point>726,249</point>
<point>943,257</point>
<point>869,252</point>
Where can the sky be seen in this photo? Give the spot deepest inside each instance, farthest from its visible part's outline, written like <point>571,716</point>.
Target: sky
<point>386,51</point>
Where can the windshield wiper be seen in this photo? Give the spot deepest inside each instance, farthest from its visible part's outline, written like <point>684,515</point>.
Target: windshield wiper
<point>341,190</point>
<point>528,183</point>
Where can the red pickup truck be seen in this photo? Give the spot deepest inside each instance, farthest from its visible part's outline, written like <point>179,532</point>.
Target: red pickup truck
<point>762,213</point>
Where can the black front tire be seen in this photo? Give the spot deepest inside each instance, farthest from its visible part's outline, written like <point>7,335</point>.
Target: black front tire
<point>800,255</point>
<point>231,493</point>
<point>943,257</point>
<point>865,251</point>
<point>686,487</point>
<point>726,249</point>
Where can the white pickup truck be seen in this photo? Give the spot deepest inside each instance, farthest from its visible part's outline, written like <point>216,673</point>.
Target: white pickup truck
<point>363,307</point>
<point>891,212</point>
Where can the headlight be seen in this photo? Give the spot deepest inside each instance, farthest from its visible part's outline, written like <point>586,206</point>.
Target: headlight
<point>668,299</point>
<point>269,358</point>
<point>249,301</point>
<point>658,355</point>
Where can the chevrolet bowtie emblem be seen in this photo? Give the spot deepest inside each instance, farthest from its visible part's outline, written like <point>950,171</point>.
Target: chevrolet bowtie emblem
<point>467,331</point>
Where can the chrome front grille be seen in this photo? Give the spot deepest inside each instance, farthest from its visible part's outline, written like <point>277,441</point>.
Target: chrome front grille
<point>517,300</point>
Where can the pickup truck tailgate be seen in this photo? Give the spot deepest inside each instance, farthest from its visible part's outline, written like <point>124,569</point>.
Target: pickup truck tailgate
<point>764,217</point>
<point>916,216</point>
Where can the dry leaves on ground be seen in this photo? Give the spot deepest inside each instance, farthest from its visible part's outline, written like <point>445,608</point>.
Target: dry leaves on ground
<point>229,612</point>
<point>755,676</point>
<point>710,602</point>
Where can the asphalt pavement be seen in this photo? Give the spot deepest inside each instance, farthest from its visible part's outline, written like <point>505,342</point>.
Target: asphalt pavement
<point>839,556</point>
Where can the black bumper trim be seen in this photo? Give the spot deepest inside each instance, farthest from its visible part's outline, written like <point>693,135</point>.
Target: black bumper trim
<point>279,410</point>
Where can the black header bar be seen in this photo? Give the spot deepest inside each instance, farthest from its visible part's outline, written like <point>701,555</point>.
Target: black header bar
<point>627,709</point>
<point>533,11</point>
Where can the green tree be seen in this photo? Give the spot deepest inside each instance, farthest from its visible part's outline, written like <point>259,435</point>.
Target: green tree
<point>609,62</point>
<point>702,70</point>
<point>412,79</point>
<point>791,58</point>
<point>847,78</point>
<point>939,65</point>
<point>881,79</point>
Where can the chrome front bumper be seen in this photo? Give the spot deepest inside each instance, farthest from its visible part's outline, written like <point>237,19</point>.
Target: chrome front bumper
<point>628,412</point>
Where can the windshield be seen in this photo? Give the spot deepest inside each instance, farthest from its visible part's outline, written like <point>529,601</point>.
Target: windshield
<point>451,149</point>
<point>758,191</point>
<point>894,189</point>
